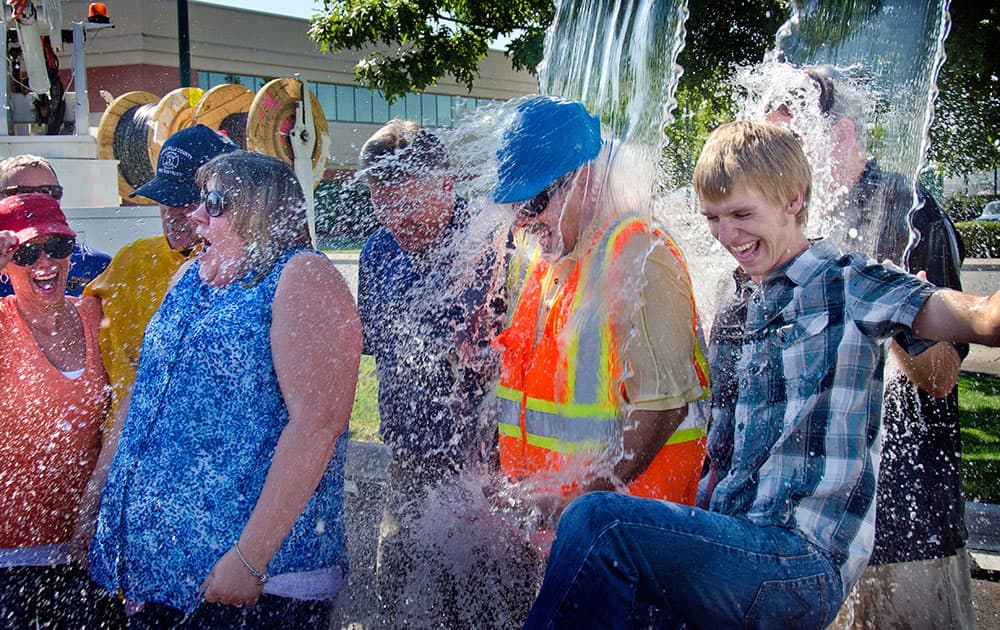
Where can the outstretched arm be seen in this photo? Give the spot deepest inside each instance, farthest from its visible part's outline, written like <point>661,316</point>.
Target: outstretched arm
<point>954,316</point>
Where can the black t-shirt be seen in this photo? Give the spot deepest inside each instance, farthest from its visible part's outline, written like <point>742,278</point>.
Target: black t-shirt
<point>920,501</point>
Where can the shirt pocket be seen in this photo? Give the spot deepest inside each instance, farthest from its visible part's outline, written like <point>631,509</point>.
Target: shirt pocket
<point>804,347</point>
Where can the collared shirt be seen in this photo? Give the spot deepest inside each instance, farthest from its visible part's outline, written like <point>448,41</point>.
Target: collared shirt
<point>427,318</point>
<point>203,424</point>
<point>797,395</point>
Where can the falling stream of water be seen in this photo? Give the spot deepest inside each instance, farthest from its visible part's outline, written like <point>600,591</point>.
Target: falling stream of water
<point>619,58</point>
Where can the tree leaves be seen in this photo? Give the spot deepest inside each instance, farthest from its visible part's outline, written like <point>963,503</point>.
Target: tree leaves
<point>419,42</point>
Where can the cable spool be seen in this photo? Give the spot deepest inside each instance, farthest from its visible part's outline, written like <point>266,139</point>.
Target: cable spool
<point>272,116</point>
<point>123,135</point>
<point>173,113</point>
<point>225,108</point>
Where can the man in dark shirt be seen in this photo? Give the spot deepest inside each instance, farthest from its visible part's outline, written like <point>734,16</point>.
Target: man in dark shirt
<point>429,308</point>
<point>918,575</point>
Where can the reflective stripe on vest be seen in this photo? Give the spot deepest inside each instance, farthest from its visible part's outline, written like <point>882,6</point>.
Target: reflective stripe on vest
<point>583,404</point>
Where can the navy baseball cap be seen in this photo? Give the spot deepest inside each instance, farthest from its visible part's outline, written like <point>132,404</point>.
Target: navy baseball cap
<point>548,137</point>
<point>181,156</point>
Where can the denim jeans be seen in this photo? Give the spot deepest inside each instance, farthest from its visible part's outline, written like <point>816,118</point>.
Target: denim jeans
<point>269,612</point>
<point>615,556</point>
<point>61,596</point>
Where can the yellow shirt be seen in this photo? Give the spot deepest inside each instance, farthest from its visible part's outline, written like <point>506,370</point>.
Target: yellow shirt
<point>130,290</point>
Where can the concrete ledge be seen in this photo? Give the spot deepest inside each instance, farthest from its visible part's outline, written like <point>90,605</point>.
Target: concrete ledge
<point>983,523</point>
<point>981,264</point>
<point>366,459</point>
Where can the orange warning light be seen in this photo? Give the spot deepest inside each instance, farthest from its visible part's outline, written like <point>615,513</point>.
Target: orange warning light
<point>98,13</point>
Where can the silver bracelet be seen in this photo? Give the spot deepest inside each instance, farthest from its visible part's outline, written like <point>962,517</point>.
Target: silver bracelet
<point>262,577</point>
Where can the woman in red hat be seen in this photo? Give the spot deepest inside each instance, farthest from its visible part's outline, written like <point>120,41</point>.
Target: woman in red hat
<point>53,397</point>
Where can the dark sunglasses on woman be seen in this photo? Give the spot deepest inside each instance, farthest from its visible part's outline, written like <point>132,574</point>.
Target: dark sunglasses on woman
<point>57,246</point>
<point>215,203</point>
<point>52,190</point>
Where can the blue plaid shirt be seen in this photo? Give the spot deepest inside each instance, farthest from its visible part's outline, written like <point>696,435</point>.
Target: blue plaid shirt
<point>797,397</point>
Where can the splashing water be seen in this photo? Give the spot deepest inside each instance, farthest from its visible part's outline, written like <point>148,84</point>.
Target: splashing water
<point>617,57</point>
<point>623,68</point>
<point>891,51</point>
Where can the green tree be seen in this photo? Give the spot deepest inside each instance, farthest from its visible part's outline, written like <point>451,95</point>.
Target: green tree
<point>721,34</point>
<point>418,42</point>
<point>965,132</point>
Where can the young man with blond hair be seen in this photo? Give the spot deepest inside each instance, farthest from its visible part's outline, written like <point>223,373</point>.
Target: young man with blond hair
<point>786,523</point>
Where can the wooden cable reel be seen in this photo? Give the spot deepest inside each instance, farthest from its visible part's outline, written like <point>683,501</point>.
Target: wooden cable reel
<point>272,116</point>
<point>135,125</point>
<point>122,136</point>
<point>173,113</point>
<point>224,108</point>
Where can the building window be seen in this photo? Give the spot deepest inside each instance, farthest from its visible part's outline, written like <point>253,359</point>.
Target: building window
<point>380,108</point>
<point>362,105</point>
<point>348,103</point>
<point>345,103</point>
<point>327,96</point>
<point>445,111</point>
<point>398,108</point>
<point>413,106</point>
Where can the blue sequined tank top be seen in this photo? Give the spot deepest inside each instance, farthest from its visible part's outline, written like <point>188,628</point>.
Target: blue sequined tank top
<point>201,430</point>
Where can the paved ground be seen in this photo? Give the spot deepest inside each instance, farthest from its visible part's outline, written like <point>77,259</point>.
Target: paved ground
<point>986,599</point>
<point>982,360</point>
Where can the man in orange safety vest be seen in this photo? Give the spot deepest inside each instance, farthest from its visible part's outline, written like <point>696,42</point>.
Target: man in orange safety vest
<point>600,357</point>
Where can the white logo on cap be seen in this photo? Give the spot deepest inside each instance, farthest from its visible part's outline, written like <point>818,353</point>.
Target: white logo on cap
<point>170,160</point>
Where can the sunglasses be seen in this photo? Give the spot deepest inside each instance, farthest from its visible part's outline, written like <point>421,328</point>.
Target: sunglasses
<point>537,204</point>
<point>57,246</point>
<point>52,190</point>
<point>215,203</point>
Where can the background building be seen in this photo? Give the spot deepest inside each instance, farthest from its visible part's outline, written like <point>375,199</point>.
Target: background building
<point>247,47</point>
<point>230,45</point>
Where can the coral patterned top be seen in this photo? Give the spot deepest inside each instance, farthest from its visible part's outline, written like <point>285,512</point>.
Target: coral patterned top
<point>49,430</point>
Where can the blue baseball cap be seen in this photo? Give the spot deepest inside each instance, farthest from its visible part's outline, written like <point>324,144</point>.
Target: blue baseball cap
<point>180,158</point>
<point>548,137</point>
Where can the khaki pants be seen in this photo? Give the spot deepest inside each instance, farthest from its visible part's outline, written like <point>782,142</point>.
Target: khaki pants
<point>912,595</point>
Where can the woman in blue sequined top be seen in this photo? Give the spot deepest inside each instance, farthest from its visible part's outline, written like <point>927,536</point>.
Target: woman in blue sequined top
<point>223,506</point>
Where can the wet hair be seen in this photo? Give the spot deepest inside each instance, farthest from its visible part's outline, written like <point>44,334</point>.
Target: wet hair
<point>264,203</point>
<point>756,155</point>
<point>840,98</point>
<point>17,162</point>
<point>401,149</point>
<point>837,96</point>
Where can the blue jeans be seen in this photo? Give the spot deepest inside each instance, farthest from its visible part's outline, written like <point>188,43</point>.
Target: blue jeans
<point>269,612</point>
<point>616,556</point>
<point>61,596</point>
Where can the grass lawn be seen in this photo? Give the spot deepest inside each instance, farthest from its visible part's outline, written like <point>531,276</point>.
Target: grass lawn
<point>979,409</point>
<point>364,415</point>
<point>978,397</point>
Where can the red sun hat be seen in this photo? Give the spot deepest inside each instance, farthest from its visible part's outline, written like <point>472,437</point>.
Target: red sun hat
<point>32,215</point>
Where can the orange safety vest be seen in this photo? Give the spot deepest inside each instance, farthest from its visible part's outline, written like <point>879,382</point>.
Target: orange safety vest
<point>561,396</point>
